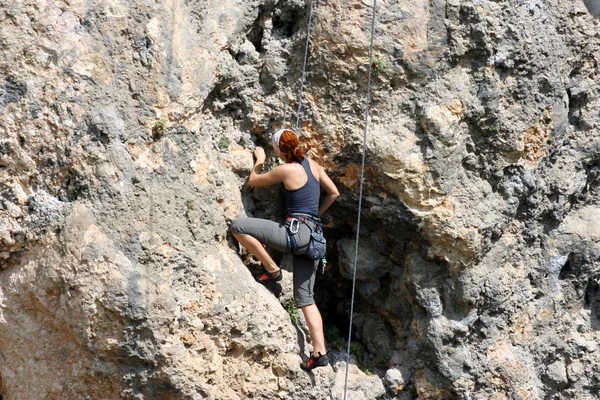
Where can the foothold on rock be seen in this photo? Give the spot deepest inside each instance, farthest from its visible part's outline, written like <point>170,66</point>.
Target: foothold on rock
<point>361,386</point>
<point>396,379</point>
<point>557,373</point>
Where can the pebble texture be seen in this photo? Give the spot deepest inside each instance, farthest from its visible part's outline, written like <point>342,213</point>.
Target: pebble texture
<point>126,137</point>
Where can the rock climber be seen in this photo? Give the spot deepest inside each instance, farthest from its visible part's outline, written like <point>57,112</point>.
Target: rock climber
<point>302,180</point>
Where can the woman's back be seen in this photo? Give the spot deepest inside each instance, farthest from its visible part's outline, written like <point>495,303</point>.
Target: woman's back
<point>305,197</point>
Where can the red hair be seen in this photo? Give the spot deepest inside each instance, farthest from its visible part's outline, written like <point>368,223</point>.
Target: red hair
<point>289,146</point>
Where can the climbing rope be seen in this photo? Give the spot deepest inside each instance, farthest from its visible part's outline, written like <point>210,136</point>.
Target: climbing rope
<point>362,170</point>
<point>306,46</point>
<point>362,173</point>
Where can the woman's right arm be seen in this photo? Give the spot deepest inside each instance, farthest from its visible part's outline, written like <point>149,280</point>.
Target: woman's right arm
<point>257,178</point>
<point>329,187</point>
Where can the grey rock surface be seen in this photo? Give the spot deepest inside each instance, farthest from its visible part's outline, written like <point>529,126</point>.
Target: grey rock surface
<point>126,138</point>
<point>396,379</point>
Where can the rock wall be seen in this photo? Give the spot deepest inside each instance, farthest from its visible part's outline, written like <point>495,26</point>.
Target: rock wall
<point>126,131</point>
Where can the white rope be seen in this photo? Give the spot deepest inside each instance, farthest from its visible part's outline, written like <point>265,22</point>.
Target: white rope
<point>310,12</point>
<point>362,173</point>
<point>362,170</point>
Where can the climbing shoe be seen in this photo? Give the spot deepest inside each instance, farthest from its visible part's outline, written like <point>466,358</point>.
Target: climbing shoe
<point>313,362</point>
<point>270,276</point>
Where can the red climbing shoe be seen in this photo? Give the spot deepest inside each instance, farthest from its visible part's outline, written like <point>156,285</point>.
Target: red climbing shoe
<point>313,362</point>
<point>270,276</point>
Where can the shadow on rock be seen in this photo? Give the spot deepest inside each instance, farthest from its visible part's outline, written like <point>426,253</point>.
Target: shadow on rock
<point>273,287</point>
<point>593,7</point>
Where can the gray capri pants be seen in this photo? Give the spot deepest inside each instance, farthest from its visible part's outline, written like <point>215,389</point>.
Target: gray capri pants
<point>274,235</point>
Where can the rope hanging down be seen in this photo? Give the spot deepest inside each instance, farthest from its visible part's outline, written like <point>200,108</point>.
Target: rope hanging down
<point>362,170</point>
<point>362,173</point>
<point>310,12</point>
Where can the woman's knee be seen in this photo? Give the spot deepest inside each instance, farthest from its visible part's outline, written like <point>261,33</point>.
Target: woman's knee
<point>237,226</point>
<point>303,298</point>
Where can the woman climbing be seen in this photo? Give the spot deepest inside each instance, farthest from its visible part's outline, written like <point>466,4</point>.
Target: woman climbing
<point>302,180</point>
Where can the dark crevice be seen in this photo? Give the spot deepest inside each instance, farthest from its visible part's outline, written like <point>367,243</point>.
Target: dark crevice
<point>97,131</point>
<point>286,27</point>
<point>592,302</point>
<point>255,35</point>
<point>591,293</point>
<point>12,91</point>
<point>566,270</point>
<point>143,45</point>
<point>592,184</point>
<point>75,186</point>
<point>333,293</point>
<point>573,109</point>
<point>5,148</point>
<point>329,288</point>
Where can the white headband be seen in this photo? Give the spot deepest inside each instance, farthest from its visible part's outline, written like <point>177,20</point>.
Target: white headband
<point>276,137</point>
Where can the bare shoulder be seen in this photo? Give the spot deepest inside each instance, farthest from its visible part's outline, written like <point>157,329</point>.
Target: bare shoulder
<point>315,168</point>
<point>285,168</point>
<point>315,164</point>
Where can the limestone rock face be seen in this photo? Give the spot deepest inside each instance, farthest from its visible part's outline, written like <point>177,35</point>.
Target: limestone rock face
<point>126,138</point>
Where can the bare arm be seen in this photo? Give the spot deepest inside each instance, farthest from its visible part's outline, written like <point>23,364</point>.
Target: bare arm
<point>257,178</point>
<point>256,171</point>
<point>329,187</point>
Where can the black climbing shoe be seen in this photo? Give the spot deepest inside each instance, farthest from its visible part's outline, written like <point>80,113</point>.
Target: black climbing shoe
<point>270,276</point>
<point>313,362</point>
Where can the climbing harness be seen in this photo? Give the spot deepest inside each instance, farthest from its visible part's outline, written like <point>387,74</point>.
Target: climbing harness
<point>294,225</point>
<point>291,225</point>
<point>362,173</point>
<point>317,244</point>
<point>323,265</point>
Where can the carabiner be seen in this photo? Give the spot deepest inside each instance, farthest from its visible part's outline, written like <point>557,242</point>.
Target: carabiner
<point>294,227</point>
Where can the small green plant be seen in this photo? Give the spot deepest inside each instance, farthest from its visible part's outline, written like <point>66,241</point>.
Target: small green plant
<point>159,129</point>
<point>335,339</point>
<point>189,204</point>
<point>336,342</point>
<point>382,360</point>
<point>224,142</point>
<point>358,350</point>
<point>292,310</point>
<point>380,65</point>
<point>492,129</point>
<point>270,164</point>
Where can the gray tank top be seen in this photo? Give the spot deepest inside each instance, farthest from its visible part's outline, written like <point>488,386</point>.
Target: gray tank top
<point>304,200</point>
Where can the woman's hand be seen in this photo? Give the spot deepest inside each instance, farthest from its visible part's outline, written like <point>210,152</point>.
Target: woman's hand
<point>259,153</point>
